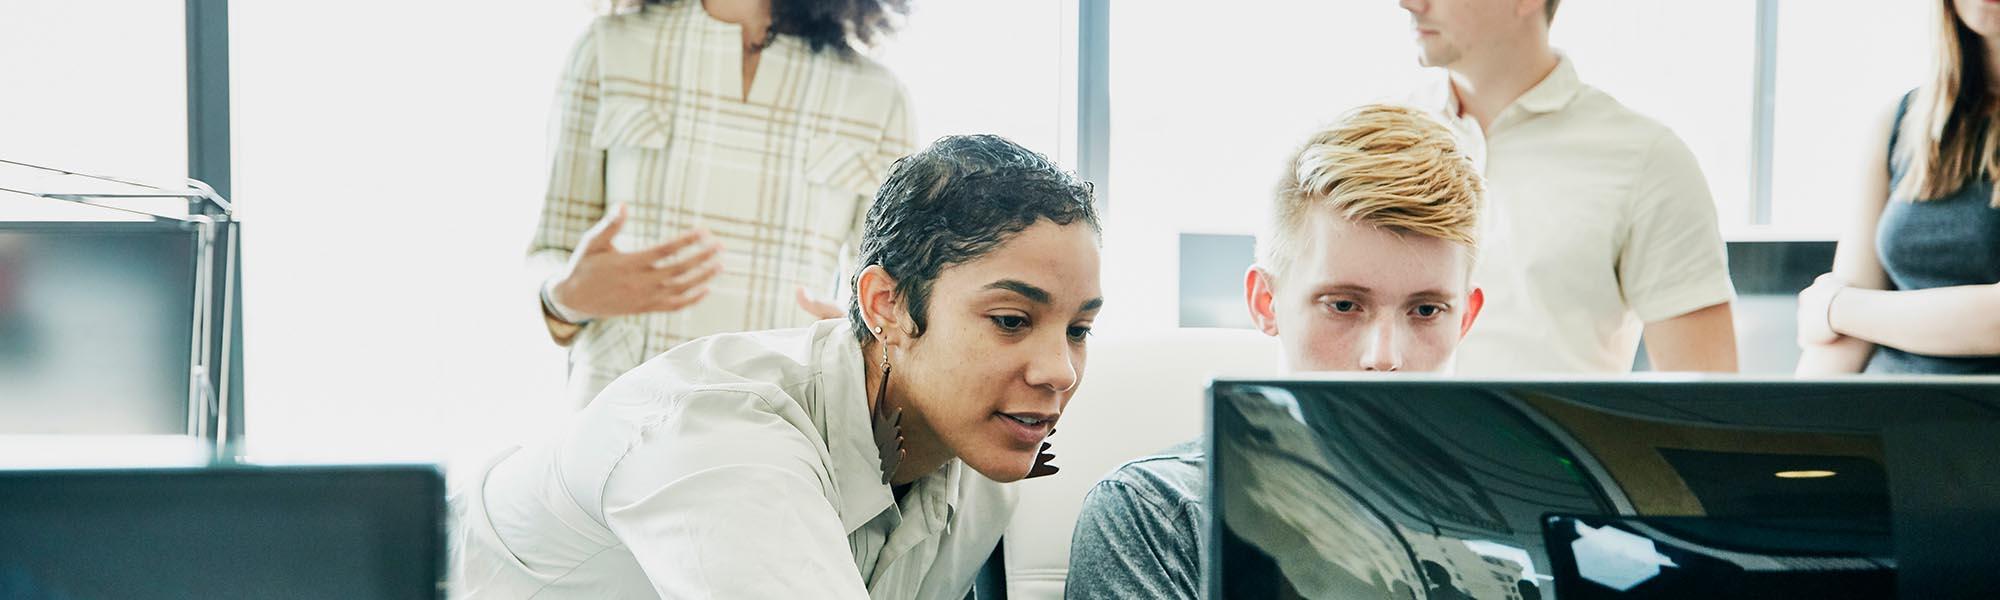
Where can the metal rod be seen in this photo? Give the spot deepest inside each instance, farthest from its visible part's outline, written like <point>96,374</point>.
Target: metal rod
<point>1093,96</point>
<point>1764,113</point>
<point>223,398</point>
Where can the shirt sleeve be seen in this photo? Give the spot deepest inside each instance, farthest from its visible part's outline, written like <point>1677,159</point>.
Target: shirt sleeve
<point>574,200</point>
<point>1130,545</point>
<point>735,507</point>
<point>1673,260</point>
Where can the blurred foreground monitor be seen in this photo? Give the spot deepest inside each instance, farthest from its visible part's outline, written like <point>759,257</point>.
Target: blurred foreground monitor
<point>347,532</point>
<point>1517,490</point>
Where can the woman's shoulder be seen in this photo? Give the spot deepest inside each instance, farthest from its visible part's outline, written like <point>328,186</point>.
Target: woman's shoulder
<point>644,18</point>
<point>865,69</point>
<point>724,391</point>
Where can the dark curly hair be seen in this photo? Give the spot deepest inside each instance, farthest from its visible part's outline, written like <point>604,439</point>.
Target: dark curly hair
<point>954,202</point>
<point>825,24</point>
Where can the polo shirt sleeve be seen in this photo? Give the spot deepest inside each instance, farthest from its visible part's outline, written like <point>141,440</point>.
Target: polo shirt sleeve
<point>738,511</point>
<point>1672,261</point>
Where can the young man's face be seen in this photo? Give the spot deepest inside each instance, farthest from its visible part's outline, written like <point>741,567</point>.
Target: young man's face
<point>1005,340</point>
<point>1449,30</point>
<point>1360,298</point>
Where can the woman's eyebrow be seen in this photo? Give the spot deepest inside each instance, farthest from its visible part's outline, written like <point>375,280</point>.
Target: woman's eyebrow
<point>1032,293</point>
<point>1039,295</point>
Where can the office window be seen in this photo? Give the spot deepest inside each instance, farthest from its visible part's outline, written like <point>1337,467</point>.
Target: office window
<point>1206,101</point>
<point>96,305</point>
<point>92,88</point>
<point>1006,68</point>
<point>1688,63</point>
<point>1833,96</point>
<point>390,164</point>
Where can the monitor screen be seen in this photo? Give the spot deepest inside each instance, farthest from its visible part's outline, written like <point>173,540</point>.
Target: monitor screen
<point>1433,488</point>
<point>96,327</point>
<point>240,532</point>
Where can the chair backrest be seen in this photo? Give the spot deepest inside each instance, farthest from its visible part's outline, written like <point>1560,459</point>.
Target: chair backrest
<point>1141,393</point>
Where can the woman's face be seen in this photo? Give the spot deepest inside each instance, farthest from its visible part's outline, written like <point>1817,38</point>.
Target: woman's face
<point>1003,349</point>
<point>1981,16</point>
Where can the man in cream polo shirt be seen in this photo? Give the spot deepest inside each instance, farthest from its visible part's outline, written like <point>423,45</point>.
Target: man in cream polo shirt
<point>1600,225</point>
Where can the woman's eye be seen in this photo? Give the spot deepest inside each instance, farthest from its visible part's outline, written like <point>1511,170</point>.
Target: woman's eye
<point>1427,311</point>
<point>1078,334</point>
<point>1010,322</point>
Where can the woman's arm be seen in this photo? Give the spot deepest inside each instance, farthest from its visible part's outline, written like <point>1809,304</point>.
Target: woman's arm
<point>574,200</point>
<point>1950,321</point>
<point>1855,263</point>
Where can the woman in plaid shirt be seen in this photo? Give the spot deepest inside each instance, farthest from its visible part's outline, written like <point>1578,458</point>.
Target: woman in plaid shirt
<point>712,162</point>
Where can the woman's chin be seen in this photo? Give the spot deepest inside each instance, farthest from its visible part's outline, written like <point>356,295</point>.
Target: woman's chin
<point>1003,468</point>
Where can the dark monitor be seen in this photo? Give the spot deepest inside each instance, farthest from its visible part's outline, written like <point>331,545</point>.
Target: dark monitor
<point>1432,488</point>
<point>355,533</point>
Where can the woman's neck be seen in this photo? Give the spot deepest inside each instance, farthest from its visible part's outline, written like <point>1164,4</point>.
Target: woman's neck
<point>753,15</point>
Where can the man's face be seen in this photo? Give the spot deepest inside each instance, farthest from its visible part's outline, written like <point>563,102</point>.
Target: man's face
<point>1361,298</point>
<point>1005,341</point>
<point>1450,30</point>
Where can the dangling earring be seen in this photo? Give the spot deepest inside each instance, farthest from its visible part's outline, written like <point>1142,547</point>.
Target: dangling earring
<point>1042,467</point>
<point>888,424</point>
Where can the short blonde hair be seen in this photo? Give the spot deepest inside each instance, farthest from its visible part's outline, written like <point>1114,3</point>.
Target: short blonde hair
<point>1387,166</point>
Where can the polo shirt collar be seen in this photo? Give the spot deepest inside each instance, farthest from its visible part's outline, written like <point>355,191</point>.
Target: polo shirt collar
<point>1555,91</point>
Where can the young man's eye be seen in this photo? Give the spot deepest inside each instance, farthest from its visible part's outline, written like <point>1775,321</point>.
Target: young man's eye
<point>1009,323</point>
<point>1078,334</point>
<point>1428,311</point>
<point>1344,306</point>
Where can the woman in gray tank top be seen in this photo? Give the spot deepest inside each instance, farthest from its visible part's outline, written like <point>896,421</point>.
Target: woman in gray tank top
<point>1915,286</point>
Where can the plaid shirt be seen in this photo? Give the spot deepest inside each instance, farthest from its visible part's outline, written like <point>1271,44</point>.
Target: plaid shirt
<point>651,113</point>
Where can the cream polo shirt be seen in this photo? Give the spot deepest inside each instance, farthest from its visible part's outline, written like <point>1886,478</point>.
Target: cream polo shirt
<point>1597,220</point>
<point>733,466</point>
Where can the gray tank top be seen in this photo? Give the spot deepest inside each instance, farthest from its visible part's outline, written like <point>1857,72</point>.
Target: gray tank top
<point>1945,242</point>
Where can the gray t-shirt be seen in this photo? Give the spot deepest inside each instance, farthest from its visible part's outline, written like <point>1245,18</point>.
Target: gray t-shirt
<point>1139,533</point>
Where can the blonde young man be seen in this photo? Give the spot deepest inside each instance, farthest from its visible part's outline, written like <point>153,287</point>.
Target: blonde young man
<point>1600,226</point>
<point>1366,268</point>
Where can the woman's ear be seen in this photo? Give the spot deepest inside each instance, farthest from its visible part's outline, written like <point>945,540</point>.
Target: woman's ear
<point>881,308</point>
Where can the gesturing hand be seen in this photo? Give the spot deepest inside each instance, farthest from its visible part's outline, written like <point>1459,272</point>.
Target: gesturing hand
<point>819,309</point>
<point>602,281</point>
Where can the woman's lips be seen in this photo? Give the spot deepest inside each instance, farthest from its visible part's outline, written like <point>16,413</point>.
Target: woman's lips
<point>1027,436</point>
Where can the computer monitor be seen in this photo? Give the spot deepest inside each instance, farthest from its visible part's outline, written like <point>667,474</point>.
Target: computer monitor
<point>1362,487</point>
<point>374,532</point>
<point>97,331</point>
